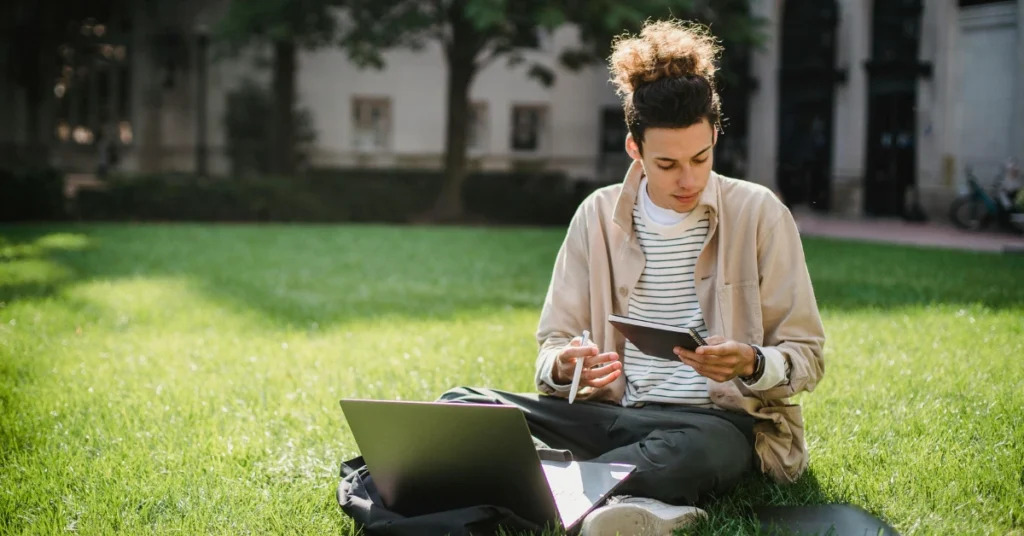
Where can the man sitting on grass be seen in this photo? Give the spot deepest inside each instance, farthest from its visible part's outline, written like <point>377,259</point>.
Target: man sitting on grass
<point>678,244</point>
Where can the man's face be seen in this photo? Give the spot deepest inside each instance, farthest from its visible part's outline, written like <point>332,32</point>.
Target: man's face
<point>677,162</point>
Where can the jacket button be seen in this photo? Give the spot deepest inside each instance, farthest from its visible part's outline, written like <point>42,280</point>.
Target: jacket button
<point>623,291</point>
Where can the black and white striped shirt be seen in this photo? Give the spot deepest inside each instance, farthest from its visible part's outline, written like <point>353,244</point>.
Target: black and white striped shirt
<point>666,293</point>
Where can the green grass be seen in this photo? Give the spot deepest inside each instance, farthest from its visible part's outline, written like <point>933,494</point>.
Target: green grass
<point>185,378</point>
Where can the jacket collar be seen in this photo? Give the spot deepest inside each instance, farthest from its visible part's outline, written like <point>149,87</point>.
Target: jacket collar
<point>623,214</point>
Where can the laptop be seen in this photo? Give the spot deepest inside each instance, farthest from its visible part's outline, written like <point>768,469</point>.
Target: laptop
<point>428,457</point>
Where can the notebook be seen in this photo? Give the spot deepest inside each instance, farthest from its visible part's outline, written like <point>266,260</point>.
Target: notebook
<point>655,339</point>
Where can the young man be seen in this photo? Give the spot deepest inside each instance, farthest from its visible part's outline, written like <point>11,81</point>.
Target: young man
<point>675,243</point>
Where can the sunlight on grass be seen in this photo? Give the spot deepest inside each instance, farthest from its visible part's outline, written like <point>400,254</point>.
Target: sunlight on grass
<point>186,378</point>
<point>32,272</point>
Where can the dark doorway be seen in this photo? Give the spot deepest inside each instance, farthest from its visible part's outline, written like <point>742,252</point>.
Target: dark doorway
<point>890,173</point>
<point>806,86</point>
<point>735,84</point>
<point>891,170</point>
<point>612,158</point>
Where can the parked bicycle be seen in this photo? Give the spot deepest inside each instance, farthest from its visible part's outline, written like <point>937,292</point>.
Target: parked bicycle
<point>979,207</point>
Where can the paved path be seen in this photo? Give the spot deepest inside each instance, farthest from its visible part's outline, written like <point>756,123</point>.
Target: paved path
<point>934,234</point>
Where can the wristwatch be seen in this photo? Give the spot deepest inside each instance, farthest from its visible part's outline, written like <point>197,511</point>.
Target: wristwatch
<point>758,367</point>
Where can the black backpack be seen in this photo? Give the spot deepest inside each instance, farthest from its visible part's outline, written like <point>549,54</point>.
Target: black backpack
<point>359,499</point>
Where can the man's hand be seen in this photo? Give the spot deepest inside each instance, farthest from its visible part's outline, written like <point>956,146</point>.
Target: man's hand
<point>565,365</point>
<point>721,360</point>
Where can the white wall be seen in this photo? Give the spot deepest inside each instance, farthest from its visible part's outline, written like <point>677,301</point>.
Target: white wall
<point>1018,90</point>
<point>416,84</point>
<point>987,61</point>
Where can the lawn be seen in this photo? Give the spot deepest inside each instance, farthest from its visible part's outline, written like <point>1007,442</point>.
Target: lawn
<point>186,379</point>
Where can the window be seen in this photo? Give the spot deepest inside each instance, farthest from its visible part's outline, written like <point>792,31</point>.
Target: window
<point>613,130</point>
<point>896,30</point>
<point>476,133</point>
<point>528,128</point>
<point>371,119</point>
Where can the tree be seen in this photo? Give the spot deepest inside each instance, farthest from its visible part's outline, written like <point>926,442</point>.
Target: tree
<point>249,137</point>
<point>474,33</point>
<point>286,26</point>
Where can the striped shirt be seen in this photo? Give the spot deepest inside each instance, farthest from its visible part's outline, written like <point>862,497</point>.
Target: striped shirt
<point>666,293</point>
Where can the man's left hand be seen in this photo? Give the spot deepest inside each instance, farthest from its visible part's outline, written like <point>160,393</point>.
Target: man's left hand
<point>721,360</point>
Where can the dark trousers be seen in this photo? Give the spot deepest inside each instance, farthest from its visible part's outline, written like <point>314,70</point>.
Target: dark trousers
<point>682,454</point>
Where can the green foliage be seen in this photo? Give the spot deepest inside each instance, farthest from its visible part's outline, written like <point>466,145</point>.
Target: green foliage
<point>250,136</point>
<point>184,379</point>
<point>309,23</point>
<point>486,30</point>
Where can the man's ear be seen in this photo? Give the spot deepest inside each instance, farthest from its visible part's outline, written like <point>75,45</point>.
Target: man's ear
<point>632,149</point>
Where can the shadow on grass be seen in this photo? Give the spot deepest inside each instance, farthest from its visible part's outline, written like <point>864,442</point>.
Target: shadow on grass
<point>297,275</point>
<point>735,512</point>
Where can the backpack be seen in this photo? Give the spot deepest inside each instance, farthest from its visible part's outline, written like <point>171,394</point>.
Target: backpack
<point>359,499</point>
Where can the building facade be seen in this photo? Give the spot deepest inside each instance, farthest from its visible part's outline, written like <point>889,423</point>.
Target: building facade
<point>855,107</point>
<point>863,106</point>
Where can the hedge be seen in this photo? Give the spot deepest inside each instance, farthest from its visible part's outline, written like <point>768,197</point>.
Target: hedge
<point>31,194</point>
<point>330,195</point>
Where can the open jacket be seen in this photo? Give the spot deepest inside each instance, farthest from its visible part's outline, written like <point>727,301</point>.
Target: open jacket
<point>752,286</point>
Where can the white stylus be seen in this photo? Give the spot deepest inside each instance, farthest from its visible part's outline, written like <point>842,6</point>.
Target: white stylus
<point>579,368</point>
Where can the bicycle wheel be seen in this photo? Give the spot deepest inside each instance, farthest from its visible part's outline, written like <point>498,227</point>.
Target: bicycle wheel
<point>969,213</point>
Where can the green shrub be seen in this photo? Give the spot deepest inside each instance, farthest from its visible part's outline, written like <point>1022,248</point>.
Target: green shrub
<point>332,195</point>
<point>542,198</point>
<point>31,194</point>
<point>249,134</point>
<point>190,198</point>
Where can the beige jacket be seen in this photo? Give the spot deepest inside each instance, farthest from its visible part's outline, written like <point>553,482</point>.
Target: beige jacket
<point>752,286</point>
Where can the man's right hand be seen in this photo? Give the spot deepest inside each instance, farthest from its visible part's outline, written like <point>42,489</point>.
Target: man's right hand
<point>565,365</point>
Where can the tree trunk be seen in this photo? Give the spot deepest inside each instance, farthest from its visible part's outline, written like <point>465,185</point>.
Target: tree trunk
<point>461,71</point>
<point>283,137</point>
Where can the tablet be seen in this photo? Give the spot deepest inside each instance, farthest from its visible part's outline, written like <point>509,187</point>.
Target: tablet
<point>655,339</point>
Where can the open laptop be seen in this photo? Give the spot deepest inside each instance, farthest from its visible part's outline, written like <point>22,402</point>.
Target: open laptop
<point>429,457</point>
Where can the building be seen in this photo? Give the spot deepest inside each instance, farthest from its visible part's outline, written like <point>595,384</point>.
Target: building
<point>854,107</point>
<point>153,97</point>
<point>860,102</point>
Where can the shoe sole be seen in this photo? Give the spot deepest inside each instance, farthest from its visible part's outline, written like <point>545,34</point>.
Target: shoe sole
<point>630,520</point>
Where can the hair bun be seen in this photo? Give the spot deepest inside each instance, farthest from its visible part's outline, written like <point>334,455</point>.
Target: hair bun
<point>664,49</point>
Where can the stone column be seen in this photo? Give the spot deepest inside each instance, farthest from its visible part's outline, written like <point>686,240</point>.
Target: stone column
<point>147,92</point>
<point>850,114</point>
<point>930,112</point>
<point>1018,92</point>
<point>764,102</point>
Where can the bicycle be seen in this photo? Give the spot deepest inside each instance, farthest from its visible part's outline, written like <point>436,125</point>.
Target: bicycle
<point>978,207</point>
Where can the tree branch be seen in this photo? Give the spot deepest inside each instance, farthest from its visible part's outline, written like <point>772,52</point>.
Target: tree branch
<point>494,53</point>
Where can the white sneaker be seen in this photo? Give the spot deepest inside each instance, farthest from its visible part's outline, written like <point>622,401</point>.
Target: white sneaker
<point>629,516</point>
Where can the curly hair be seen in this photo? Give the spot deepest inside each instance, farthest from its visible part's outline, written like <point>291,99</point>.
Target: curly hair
<point>666,76</point>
